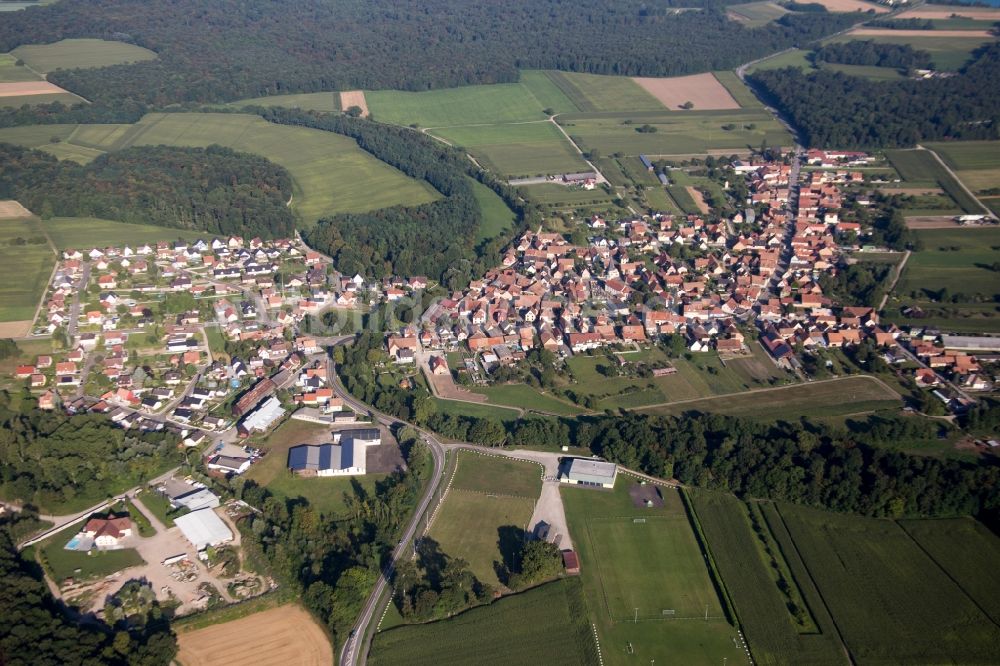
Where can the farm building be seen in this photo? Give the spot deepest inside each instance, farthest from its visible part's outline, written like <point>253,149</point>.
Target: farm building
<point>264,416</point>
<point>645,162</point>
<point>587,472</point>
<point>971,343</point>
<point>571,562</point>
<point>346,456</point>
<point>203,528</point>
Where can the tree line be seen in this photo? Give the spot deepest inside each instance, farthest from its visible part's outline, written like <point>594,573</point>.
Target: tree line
<point>225,50</point>
<point>214,190</point>
<point>833,109</point>
<point>873,54</point>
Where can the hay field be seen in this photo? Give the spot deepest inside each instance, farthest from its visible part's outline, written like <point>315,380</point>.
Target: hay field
<point>12,210</point>
<point>26,263</point>
<point>852,6</point>
<point>702,90</point>
<point>596,92</point>
<point>320,101</point>
<point>354,98</point>
<point>26,88</point>
<point>917,34</point>
<point>80,53</point>
<point>976,163</point>
<point>945,12</point>
<point>525,149</point>
<point>486,104</point>
<point>11,71</point>
<point>278,637</point>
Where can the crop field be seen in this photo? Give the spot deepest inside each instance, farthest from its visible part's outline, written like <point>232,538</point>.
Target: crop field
<point>87,232</point>
<point>497,217</point>
<point>960,546</point>
<point>482,529</point>
<point>486,104</point>
<point>892,602</point>
<point>24,269</point>
<point>548,95</point>
<point>977,163</point>
<point>497,475</point>
<point>740,92</point>
<point>350,99</point>
<point>948,53</point>
<point>922,166</point>
<point>873,73</point>
<point>320,101</point>
<point>657,565</point>
<point>794,58</point>
<point>852,395</point>
<point>748,576</point>
<point>330,173</point>
<point>11,72</point>
<point>595,92</point>
<point>681,133</point>
<point>527,149</point>
<point>852,6</point>
<point>80,53</point>
<point>275,637</point>
<point>930,11</point>
<point>702,91</point>
<point>545,625</point>
<point>18,93</point>
<point>755,14</point>
<point>562,197</point>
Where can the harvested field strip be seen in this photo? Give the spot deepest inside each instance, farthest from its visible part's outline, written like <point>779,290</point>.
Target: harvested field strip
<point>277,637</point>
<point>702,91</point>
<point>852,6</point>
<point>354,98</point>
<point>917,34</point>
<point>27,88</point>
<point>545,625</point>
<point>946,11</point>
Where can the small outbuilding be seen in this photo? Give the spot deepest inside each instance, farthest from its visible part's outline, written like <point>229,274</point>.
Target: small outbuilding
<point>588,472</point>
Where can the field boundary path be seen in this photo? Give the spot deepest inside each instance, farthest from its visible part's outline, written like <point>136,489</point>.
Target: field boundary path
<point>895,279</point>
<point>958,180</point>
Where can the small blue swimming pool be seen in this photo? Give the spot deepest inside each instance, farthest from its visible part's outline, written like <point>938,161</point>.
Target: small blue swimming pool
<point>73,543</point>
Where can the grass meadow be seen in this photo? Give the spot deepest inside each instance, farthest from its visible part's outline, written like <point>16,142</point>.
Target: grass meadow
<point>87,232</point>
<point>756,14</point>
<point>560,196</point>
<point>527,149</point>
<point>653,566</point>
<point>596,92</point>
<point>486,104</point>
<point>11,72</point>
<point>893,603</point>
<point>497,216</point>
<point>319,101</point>
<point>545,625</point>
<point>497,475</point>
<point>80,54</point>
<point>976,163</point>
<point>748,573</point>
<point>24,269</point>
<point>947,53</point>
<point>920,166</point>
<point>526,397</point>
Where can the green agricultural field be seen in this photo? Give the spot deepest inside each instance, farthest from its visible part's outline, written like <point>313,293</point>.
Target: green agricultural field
<point>921,166</point>
<point>654,566</point>
<point>873,73</point>
<point>497,475</point>
<point>892,602</point>
<point>688,133</point>
<point>960,546</point>
<point>320,101</point>
<point>36,136</point>
<point>793,58</point>
<point>755,14</point>
<point>484,530</point>
<point>739,90</point>
<point>748,573</point>
<point>977,163</point>
<point>560,196</point>
<point>330,173</point>
<point>80,53</point>
<point>545,625</point>
<point>24,269</point>
<point>947,53</point>
<point>11,72</point>
<point>548,95</point>
<point>487,104</point>
<point>497,216</point>
<point>68,151</point>
<point>852,395</point>
<point>594,92</point>
<point>87,232</point>
<point>17,101</point>
<point>952,280</point>
<point>528,149</point>
<point>526,397</point>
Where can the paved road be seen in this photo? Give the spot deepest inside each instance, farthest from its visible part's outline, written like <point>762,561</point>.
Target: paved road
<point>74,309</point>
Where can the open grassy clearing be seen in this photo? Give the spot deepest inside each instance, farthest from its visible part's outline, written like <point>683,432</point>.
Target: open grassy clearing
<point>497,216</point>
<point>756,14</point>
<point>487,104</point>
<point>977,163</point>
<point>484,530</point>
<point>475,410</point>
<point>679,133</point>
<point>851,395</point>
<point>330,173</point>
<point>275,637</point>
<point>658,566</point>
<point>595,92</point>
<point>320,101</point>
<point>793,58</point>
<point>24,268</point>
<point>892,602</point>
<point>497,475</point>
<point>526,397</point>
<point>545,625</point>
<point>528,149</point>
<point>947,53</point>
<point>923,166</point>
<point>749,578</point>
<point>87,232</point>
<point>11,72</point>
<point>80,53</point>
<point>35,136</point>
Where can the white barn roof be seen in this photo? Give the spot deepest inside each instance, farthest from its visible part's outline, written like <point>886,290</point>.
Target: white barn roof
<point>203,528</point>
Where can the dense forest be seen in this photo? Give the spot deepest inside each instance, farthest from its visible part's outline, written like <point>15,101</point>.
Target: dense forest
<point>36,630</point>
<point>47,458</point>
<point>435,239</point>
<point>221,50</point>
<point>874,54</point>
<point>214,189</point>
<point>834,109</point>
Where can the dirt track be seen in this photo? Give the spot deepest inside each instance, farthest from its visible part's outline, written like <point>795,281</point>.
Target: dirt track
<point>699,200</point>
<point>354,98</point>
<point>283,636</point>
<point>703,90</point>
<point>29,88</point>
